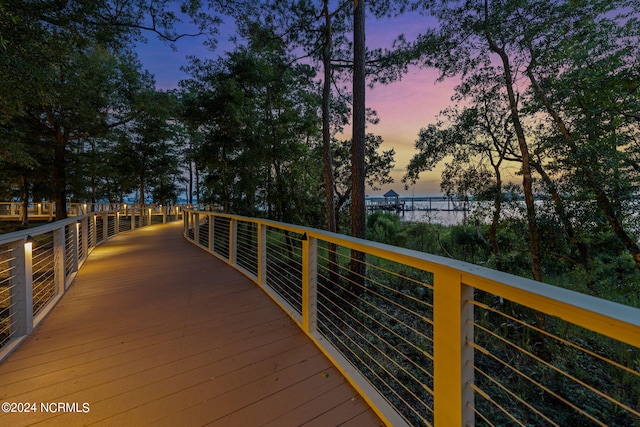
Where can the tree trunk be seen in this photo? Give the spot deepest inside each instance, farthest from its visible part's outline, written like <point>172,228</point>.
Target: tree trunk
<point>93,175</point>
<point>327,158</point>
<point>497,207</point>
<point>190,195</point>
<point>25,201</point>
<point>141,191</point>
<point>326,122</point>
<point>141,195</point>
<point>358,217</point>
<point>60,177</point>
<point>197,184</point>
<point>527,181</point>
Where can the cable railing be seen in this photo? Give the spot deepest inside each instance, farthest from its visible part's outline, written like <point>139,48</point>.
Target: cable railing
<point>38,265</point>
<point>111,226</point>
<point>152,213</point>
<point>7,286</point>
<point>428,340</point>
<point>246,241</point>
<point>71,239</point>
<point>284,265</point>
<point>43,261</point>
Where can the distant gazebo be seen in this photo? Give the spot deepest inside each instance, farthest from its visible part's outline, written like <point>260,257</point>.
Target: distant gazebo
<point>391,202</point>
<point>391,197</point>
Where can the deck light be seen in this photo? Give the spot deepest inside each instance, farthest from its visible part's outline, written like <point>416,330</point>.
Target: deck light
<point>28,242</point>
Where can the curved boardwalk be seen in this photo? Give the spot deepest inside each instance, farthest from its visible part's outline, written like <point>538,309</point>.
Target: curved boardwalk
<point>155,331</point>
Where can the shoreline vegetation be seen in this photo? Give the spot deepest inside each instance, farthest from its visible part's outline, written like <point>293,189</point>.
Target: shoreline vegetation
<point>612,274</point>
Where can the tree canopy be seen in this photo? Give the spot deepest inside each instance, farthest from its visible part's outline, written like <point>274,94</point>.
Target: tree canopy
<point>563,84</point>
<point>70,75</point>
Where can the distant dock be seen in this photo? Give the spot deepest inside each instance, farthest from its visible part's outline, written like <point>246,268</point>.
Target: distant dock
<point>385,205</point>
<point>403,204</point>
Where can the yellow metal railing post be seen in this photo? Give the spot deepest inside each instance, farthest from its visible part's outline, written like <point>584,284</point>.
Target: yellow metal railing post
<point>262,254</point>
<point>212,232</point>
<point>309,283</point>
<point>233,241</point>
<point>453,357</point>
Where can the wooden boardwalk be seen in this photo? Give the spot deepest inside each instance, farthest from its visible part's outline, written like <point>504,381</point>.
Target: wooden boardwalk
<point>155,331</point>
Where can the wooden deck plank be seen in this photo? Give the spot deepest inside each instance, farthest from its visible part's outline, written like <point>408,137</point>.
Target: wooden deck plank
<point>137,338</point>
<point>312,390</point>
<point>202,399</point>
<point>123,364</point>
<point>82,353</point>
<point>316,407</point>
<point>155,331</point>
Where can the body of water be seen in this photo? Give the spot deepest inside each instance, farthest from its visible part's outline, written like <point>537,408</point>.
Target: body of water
<point>443,217</point>
<point>437,210</point>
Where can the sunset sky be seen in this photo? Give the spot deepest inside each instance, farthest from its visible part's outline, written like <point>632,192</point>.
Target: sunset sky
<point>403,107</point>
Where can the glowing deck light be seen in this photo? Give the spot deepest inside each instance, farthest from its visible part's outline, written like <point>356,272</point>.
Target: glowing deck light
<point>28,243</point>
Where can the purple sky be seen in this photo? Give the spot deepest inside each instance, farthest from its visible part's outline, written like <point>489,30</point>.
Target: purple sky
<point>403,107</point>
